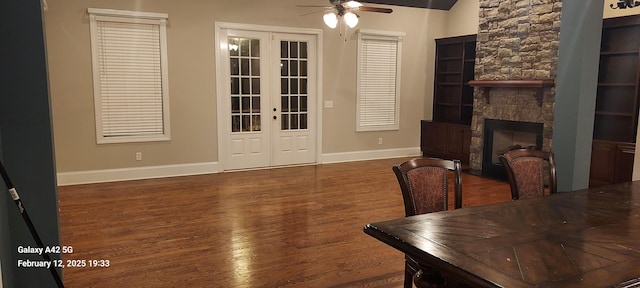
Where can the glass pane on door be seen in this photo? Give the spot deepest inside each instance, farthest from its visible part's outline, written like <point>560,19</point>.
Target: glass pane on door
<point>244,58</point>
<point>293,81</point>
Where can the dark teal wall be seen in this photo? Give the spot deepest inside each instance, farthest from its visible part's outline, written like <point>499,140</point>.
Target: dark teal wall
<point>26,141</point>
<point>579,56</point>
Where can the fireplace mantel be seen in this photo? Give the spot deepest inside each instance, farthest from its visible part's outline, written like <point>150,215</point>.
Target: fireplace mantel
<point>535,84</point>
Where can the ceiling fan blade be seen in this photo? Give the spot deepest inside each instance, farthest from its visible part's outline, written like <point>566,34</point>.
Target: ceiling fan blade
<point>311,13</point>
<point>313,6</point>
<point>375,9</point>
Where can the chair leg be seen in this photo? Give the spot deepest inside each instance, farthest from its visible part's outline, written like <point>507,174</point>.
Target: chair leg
<point>408,276</point>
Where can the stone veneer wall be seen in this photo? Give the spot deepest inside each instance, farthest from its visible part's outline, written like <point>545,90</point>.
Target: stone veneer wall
<point>517,40</point>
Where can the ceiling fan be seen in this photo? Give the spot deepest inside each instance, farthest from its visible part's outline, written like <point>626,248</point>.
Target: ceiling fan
<point>346,10</point>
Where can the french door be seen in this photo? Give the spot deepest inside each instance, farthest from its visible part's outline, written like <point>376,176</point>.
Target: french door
<point>267,113</point>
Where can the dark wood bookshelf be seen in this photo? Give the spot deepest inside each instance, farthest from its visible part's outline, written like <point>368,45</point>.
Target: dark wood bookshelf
<point>449,134</point>
<point>617,102</point>
<point>455,63</point>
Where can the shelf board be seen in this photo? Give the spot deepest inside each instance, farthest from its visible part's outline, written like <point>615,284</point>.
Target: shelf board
<point>618,53</point>
<point>629,84</point>
<point>449,73</point>
<point>618,114</point>
<point>458,58</point>
<point>535,84</point>
<point>447,104</point>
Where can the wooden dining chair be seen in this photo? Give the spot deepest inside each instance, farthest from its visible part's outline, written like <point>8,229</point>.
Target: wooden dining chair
<point>526,169</point>
<point>424,185</point>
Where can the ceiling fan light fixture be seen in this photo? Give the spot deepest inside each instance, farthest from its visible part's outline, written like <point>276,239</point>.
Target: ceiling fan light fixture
<point>351,19</point>
<point>331,19</point>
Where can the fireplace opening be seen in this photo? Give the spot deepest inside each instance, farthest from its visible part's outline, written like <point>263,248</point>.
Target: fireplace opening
<point>501,136</point>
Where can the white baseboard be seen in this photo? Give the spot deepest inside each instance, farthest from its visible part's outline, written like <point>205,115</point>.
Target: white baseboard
<point>150,172</point>
<point>123,174</point>
<point>370,155</point>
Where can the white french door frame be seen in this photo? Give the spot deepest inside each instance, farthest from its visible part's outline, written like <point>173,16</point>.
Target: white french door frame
<point>221,85</point>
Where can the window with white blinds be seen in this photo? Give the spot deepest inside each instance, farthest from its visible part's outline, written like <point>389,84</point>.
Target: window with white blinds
<point>378,80</point>
<point>130,75</point>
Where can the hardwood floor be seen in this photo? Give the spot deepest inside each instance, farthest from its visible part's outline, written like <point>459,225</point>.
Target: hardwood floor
<point>285,227</point>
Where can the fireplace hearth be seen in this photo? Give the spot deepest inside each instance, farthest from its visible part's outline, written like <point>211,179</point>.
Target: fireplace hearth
<point>501,136</point>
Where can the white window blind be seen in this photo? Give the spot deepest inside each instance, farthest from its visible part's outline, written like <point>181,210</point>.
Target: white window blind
<point>130,76</point>
<point>378,80</point>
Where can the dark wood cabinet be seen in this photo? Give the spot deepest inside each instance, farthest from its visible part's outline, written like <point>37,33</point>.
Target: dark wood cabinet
<point>445,140</point>
<point>432,138</point>
<point>611,162</point>
<point>617,101</point>
<point>625,153</point>
<point>455,62</point>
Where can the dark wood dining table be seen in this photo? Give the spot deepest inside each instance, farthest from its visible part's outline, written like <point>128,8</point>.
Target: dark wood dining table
<point>585,238</point>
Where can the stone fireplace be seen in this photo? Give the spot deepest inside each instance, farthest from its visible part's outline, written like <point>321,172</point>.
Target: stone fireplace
<point>516,63</point>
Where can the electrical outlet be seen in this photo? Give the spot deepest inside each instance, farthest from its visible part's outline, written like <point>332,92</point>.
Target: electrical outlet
<point>380,141</point>
<point>138,156</point>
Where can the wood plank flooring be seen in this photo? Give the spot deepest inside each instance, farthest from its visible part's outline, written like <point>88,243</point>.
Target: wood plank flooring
<point>284,227</point>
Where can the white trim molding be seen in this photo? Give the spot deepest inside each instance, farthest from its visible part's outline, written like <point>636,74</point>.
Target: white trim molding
<point>153,172</point>
<point>136,173</point>
<point>370,155</point>
<point>126,13</point>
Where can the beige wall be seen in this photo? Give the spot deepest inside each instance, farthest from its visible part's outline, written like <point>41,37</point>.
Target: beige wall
<point>463,18</point>
<point>192,78</point>
<point>610,13</point>
<point>636,159</point>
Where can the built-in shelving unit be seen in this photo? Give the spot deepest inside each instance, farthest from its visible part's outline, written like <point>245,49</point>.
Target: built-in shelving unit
<point>618,80</point>
<point>453,97</point>
<point>617,101</point>
<point>449,134</point>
